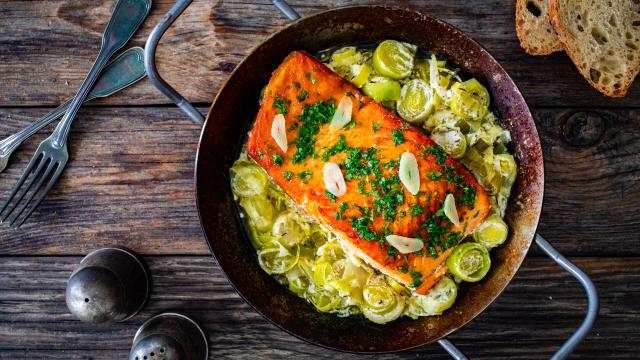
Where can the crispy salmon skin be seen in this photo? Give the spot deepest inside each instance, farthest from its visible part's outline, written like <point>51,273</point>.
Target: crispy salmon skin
<point>367,149</point>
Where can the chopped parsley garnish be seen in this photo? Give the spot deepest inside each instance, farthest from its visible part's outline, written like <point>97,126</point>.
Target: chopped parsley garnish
<point>348,93</point>
<point>417,279</point>
<point>341,145</point>
<point>361,188</point>
<point>361,225</point>
<point>375,127</point>
<point>361,163</point>
<point>439,153</point>
<point>305,174</point>
<point>454,239</point>
<point>416,210</point>
<point>311,77</point>
<point>397,137</point>
<point>293,126</point>
<point>297,85</point>
<point>390,251</point>
<point>468,196</point>
<point>434,175</point>
<point>436,233</point>
<point>449,169</point>
<point>277,159</point>
<point>405,267</point>
<point>389,197</point>
<point>432,251</point>
<point>302,95</point>
<point>287,175</point>
<point>281,104</point>
<point>312,118</point>
<point>331,196</point>
<point>343,207</point>
<point>391,164</point>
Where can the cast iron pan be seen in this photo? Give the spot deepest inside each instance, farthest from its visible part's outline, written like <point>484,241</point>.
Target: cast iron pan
<point>232,114</point>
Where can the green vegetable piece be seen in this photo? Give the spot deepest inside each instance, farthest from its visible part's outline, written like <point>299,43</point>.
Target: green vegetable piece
<point>393,59</point>
<point>417,101</point>
<point>382,89</point>
<point>277,259</point>
<point>469,261</point>
<point>452,141</point>
<point>469,99</point>
<point>260,211</point>
<point>436,301</point>
<point>248,179</point>
<point>492,232</point>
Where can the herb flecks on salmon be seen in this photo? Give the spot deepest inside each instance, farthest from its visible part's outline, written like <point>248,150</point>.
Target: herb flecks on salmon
<point>367,150</point>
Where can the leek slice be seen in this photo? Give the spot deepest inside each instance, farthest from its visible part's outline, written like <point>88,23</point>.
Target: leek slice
<point>260,211</point>
<point>382,89</point>
<point>394,59</point>
<point>248,180</point>
<point>417,101</point>
<point>436,301</point>
<point>492,232</point>
<point>469,99</point>
<point>290,228</point>
<point>469,261</point>
<point>278,259</point>
<point>451,139</point>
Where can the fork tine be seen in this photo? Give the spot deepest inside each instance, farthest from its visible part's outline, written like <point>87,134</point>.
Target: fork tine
<point>43,179</point>
<point>52,181</point>
<point>35,160</point>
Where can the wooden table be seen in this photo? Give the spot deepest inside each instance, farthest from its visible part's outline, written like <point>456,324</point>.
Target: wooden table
<point>129,182</point>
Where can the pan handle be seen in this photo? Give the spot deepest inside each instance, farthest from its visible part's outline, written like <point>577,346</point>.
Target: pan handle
<point>589,319</point>
<point>152,44</point>
<point>291,14</point>
<point>150,62</point>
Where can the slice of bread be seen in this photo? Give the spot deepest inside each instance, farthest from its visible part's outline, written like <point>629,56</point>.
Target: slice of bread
<point>534,30</point>
<point>602,38</point>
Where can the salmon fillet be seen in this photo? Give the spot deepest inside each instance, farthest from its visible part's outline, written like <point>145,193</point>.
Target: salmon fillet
<point>368,149</point>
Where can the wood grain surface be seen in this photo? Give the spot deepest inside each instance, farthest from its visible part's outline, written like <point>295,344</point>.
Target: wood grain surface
<point>529,321</point>
<point>46,47</point>
<point>129,182</point>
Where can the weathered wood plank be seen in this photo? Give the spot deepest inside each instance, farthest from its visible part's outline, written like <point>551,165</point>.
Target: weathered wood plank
<point>129,182</point>
<point>46,48</point>
<point>529,321</point>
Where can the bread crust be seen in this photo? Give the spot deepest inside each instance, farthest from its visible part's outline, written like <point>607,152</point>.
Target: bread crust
<point>562,29</point>
<point>535,39</point>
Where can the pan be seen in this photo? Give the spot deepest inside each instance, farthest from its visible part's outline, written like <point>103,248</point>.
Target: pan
<point>231,116</point>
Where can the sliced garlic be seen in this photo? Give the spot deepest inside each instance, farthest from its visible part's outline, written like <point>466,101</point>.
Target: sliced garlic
<point>279,132</point>
<point>409,172</point>
<point>333,179</point>
<point>405,245</point>
<point>342,116</point>
<point>450,209</point>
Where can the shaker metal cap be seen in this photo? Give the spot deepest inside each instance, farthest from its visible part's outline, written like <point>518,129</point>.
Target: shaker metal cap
<point>170,336</point>
<point>109,285</point>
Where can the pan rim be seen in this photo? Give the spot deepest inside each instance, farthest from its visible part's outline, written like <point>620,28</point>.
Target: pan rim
<point>497,290</point>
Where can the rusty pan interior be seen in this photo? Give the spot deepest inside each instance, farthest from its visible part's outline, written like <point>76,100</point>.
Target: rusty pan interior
<point>231,116</point>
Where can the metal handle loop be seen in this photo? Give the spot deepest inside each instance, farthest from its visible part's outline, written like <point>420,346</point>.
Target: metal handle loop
<point>592,297</point>
<point>150,62</point>
<point>286,10</point>
<point>589,319</point>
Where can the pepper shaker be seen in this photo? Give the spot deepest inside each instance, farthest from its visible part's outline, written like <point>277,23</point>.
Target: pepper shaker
<point>170,336</point>
<point>110,285</point>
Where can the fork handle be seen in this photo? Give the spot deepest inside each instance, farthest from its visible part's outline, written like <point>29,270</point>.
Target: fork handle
<point>123,71</point>
<point>127,16</point>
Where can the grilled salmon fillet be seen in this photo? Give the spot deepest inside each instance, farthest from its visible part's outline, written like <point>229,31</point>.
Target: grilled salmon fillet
<point>367,150</point>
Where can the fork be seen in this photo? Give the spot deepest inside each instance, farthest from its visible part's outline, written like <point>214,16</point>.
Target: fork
<point>52,155</point>
<point>123,71</point>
